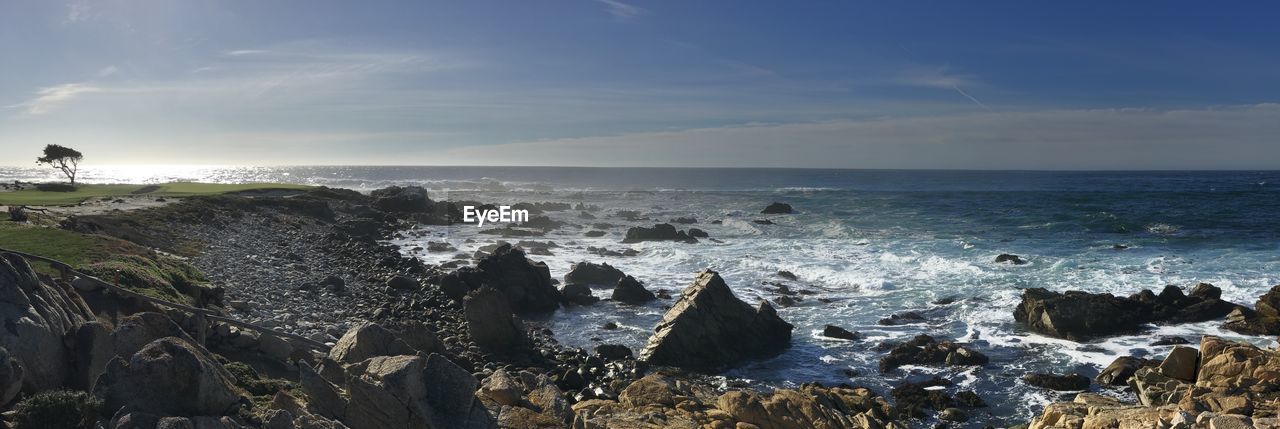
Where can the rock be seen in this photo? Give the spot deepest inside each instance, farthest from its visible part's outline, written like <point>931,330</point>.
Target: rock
<point>1070,382</point>
<point>1169,340</point>
<point>37,316</point>
<point>904,318</point>
<point>436,247</point>
<point>925,350</point>
<point>631,291</point>
<point>92,348</point>
<point>1180,364</point>
<point>365,341</point>
<point>168,377</point>
<point>587,273</point>
<point>417,335</point>
<point>612,352</point>
<point>831,331</point>
<point>913,398</point>
<point>275,347</point>
<point>953,415</point>
<point>491,323</point>
<point>777,208</point>
<point>577,293</point>
<point>659,232</point>
<point>1079,316</point>
<point>1172,306</point>
<point>698,233</point>
<point>709,328</point>
<point>408,199</point>
<point>1227,364</point>
<point>526,284</point>
<point>1121,369</point>
<point>502,389</point>
<point>1263,320</point>
<point>11,374</point>
<point>1012,259</point>
<point>413,392</point>
<point>402,283</point>
<point>334,284</point>
<point>1154,389</point>
<point>136,331</point>
<point>787,275</point>
<point>325,398</point>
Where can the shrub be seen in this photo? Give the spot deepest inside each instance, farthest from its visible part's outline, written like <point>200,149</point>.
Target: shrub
<point>58,409</point>
<point>55,187</point>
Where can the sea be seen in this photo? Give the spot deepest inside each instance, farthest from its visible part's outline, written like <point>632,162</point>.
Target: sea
<point>863,245</point>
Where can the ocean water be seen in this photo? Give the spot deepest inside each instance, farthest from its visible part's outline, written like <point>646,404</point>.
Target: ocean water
<point>873,243</point>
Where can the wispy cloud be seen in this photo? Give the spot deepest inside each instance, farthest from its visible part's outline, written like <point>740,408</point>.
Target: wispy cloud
<point>622,10</point>
<point>941,78</point>
<point>50,98</point>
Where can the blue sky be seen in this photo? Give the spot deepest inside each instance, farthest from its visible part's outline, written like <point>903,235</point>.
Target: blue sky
<point>1006,85</point>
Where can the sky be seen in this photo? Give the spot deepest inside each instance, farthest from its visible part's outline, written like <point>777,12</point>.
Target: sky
<point>837,84</point>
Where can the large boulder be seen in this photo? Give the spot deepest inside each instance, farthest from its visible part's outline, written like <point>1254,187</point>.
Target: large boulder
<point>136,331</point>
<point>659,232</point>
<point>526,284</point>
<point>413,392</point>
<point>777,208</point>
<point>709,329</point>
<point>11,374</point>
<point>1263,320</point>
<point>491,323</point>
<point>588,273</point>
<point>1069,382</point>
<point>925,350</point>
<point>365,341</point>
<point>408,199</point>
<point>1121,370</point>
<point>170,377</point>
<point>37,317</point>
<point>1173,306</point>
<point>1079,316</point>
<point>631,291</point>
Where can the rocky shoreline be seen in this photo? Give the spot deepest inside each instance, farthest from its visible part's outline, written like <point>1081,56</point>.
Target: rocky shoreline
<point>457,345</point>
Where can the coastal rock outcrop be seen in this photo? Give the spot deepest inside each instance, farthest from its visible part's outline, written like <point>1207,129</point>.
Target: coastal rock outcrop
<point>777,208</point>
<point>413,392</point>
<point>526,284</point>
<point>925,350</point>
<point>168,377</point>
<point>1223,384</point>
<point>631,291</point>
<point>659,232</point>
<point>709,328</point>
<point>1264,319</point>
<point>1080,316</point>
<point>408,199</point>
<point>1069,382</point>
<point>491,323</point>
<point>37,316</point>
<point>365,341</point>
<point>588,273</point>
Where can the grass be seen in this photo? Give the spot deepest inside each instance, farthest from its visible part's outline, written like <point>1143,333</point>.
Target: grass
<point>34,197</point>
<point>111,259</point>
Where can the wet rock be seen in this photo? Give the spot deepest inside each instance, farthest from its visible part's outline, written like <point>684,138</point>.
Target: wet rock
<point>588,273</point>
<point>631,291</point>
<point>709,329</point>
<point>594,233</point>
<point>925,350</point>
<point>612,352</point>
<point>1071,382</point>
<point>831,331</point>
<point>408,199</point>
<point>491,323</point>
<point>787,275</point>
<point>659,232</point>
<point>914,398</point>
<point>436,246</point>
<point>1172,306</point>
<point>1263,320</point>
<point>1009,258</point>
<point>777,208</point>
<point>904,318</point>
<point>967,398</point>
<point>1169,340</point>
<point>698,233</point>
<point>168,377</point>
<point>953,415</point>
<point>525,283</point>
<point>1079,316</point>
<point>578,294</point>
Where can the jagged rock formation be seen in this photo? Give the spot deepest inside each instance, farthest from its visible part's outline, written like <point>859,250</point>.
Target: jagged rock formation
<point>588,273</point>
<point>709,329</point>
<point>1224,384</point>
<point>37,316</point>
<point>659,232</point>
<point>631,291</point>
<point>526,284</point>
<point>1080,316</point>
<point>170,377</point>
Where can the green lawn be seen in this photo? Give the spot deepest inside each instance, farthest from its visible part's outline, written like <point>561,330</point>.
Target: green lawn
<point>32,197</point>
<point>111,259</point>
